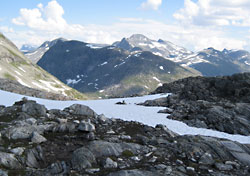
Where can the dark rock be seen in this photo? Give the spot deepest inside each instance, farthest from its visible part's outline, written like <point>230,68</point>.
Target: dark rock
<point>34,109</point>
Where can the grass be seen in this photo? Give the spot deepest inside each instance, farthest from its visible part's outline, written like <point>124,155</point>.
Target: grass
<point>9,76</point>
<point>75,94</point>
<point>127,153</point>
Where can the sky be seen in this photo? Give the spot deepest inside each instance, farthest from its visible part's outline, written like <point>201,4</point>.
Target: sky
<point>193,24</point>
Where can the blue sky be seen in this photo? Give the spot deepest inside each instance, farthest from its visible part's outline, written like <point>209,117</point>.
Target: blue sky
<point>194,24</point>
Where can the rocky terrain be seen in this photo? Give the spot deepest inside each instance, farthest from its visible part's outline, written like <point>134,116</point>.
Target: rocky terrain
<point>77,141</point>
<point>15,87</point>
<point>220,103</point>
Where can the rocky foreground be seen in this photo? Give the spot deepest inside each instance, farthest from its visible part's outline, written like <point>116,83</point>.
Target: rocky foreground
<point>76,141</point>
<point>219,103</point>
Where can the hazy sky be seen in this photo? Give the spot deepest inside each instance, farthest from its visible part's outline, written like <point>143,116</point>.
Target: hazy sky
<point>194,24</point>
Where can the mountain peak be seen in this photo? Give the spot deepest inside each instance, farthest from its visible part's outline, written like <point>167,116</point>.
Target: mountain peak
<point>138,37</point>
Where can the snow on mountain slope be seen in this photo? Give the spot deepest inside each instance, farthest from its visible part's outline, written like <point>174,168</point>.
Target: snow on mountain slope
<point>130,112</point>
<point>15,66</point>
<point>162,48</point>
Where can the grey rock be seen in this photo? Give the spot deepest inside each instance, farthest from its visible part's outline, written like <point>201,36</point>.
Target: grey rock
<point>132,173</point>
<point>103,148</point>
<point>82,158</point>
<point>83,110</point>
<point>58,168</point>
<point>34,109</point>
<point>31,121</point>
<point>24,131</point>
<point>34,157</point>
<point>223,167</point>
<point>109,163</point>
<point>9,161</point>
<point>18,151</point>
<point>86,126</point>
<point>3,173</point>
<point>206,159</point>
<point>37,138</point>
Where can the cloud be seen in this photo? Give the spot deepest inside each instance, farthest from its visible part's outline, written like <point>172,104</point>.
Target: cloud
<point>48,18</point>
<point>151,4</point>
<point>215,12</point>
<point>47,23</point>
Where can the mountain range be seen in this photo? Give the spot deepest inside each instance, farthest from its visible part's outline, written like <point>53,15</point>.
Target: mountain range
<point>109,71</point>
<point>132,65</point>
<point>15,66</point>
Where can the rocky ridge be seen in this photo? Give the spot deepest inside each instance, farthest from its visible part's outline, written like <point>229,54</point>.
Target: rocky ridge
<point>77,141</point>
<point>219,103</point>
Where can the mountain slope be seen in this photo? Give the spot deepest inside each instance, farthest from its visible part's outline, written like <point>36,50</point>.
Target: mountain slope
<point>15,66</point>
<point>110,71</point>
<point>139,42</point>
<point>219,63</point>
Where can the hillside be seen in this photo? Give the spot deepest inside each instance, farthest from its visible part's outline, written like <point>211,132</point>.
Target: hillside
<point>109,71</point>
<point>15,66</point>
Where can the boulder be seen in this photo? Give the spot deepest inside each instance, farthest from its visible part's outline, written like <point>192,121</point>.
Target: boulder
<point>9,161</point>
<point>82,110</point>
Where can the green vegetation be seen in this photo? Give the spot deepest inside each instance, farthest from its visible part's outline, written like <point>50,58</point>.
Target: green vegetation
<point>9,76</point>
<point>127,153</point>
<point>75,94</point>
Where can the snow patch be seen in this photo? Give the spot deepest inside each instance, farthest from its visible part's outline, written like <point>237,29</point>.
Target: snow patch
<point>157,53</point>
<point>40,86</point>
<point>247,63</point>
<point>22,69</point>
<point>73,81</point>
<point>129,112</point>
<point>21,81</point>
<point>104,63</point>
<point>18,73</point>
<point>156,79</point>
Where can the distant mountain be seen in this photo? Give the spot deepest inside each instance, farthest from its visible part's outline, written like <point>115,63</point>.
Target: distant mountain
<point>28,48</point>
<point>36,55</point>
<point>109,71</point>
<point>219,63</point>
<point>139,42</point>
<point>15,66</point>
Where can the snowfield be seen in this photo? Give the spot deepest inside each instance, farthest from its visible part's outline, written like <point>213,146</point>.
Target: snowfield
<point>130,112</point>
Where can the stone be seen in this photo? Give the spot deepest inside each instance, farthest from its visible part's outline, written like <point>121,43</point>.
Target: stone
<point>34,109</point>
<point>223,167</point>
<point>206,159</point>
<point>83,110</point>
<point>17,151</point>
<point>31,121</point>
<point>132,173</point>
<point>9,161</point>
<point>109,163</point>
<point>34,157</point>
<point>86,126</point>
<point>3,173</point>
<point>82,158</point>
<point>37,138</point>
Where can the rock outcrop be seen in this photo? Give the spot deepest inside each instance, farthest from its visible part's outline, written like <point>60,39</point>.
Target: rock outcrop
<point>74,142</point>
<point>219,103</point>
